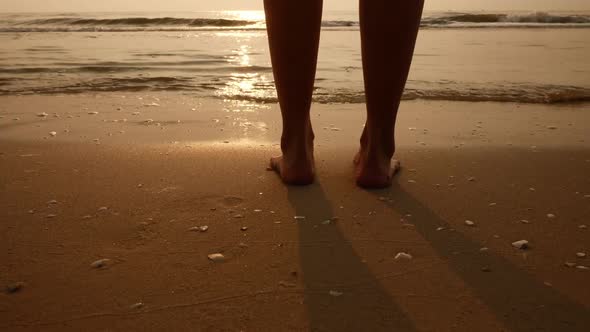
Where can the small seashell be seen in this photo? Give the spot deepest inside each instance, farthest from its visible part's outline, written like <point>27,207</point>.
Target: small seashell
<point>522,244</point>
<point>51,202</point>
<point>582,267</point>
<point>243,229</point>
<point>100,263</point>
<point>471,179</point>
<point>403,255</point>
<point>581,254</point>
<point>440,229</point>
<point>524,221</point>
<point>299,218</point>
<point>239,216</point>
<point>492,204</point>
<point>287,284</point>
<point>217,257</point>
<point>335,293</point>
<point>42,114</point>
<point>93,113</point>
<point>137,305</point>
<point>569,264</point>
<point>49,216</point>
<point>469,223</point>
<point>52,133</point>
<point>550,216</point>
<point>582,227</point>
<point>102,209</point>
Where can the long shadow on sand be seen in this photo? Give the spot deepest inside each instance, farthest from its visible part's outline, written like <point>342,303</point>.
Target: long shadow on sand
<point>329,263</point>
<point>516,297</point>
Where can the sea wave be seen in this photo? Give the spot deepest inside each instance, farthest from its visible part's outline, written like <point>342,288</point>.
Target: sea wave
<point>74,23</point>
<point>265,93</point>
<point>140,21</point>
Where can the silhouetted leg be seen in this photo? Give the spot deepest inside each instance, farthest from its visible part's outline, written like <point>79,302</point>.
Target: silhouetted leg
<point>294,33</point>
<point>388,36</point>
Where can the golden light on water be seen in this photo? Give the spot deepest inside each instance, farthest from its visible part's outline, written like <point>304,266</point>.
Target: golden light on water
<point>245,15</point>
<point>245,83</point>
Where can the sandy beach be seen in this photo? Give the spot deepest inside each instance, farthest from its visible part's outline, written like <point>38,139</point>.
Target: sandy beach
<point>102,199</point>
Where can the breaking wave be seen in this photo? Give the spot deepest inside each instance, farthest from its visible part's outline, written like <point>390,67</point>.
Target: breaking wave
<point>448,20</point>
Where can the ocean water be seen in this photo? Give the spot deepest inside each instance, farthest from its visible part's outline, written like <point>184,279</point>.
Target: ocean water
<point>504,57</point>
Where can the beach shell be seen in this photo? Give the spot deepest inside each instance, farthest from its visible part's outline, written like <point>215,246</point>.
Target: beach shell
<point>243,229</point>
<point>550,216</point>
<point>299,218</point>
<point>582,227</point>
<point>93,113</point>
<point>469,223</point>
<point>137,305</point>
<point>582,267</point>
<point>335,293</point>
<point>51,202</point>
<point>42,114</point>
<point>403,255</point>
<point>217,257</point>
<point>100,263</point>
<point>581,254</point>
<point>102,209</point>
<point>569,264</point>
<point>51,216</point>
<point>52,133</point>
<point>522,244</point>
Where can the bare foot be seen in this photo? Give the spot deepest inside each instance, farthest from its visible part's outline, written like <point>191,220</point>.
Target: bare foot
<point>374,173</point>
<point>296,165</point>
<point>298,173</point>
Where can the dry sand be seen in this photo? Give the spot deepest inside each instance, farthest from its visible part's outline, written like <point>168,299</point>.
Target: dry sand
<point>132,195</point>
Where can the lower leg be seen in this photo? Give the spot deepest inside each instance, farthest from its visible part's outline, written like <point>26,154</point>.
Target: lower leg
<point>388,36</point>
<point>294,32</point>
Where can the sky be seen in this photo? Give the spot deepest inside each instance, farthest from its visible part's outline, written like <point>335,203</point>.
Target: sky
<point>203,5</point>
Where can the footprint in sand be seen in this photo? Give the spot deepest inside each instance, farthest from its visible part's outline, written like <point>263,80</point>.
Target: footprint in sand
<point>231,201</point>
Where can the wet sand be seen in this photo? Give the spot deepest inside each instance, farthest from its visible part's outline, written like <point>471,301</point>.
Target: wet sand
<point>132,197</point>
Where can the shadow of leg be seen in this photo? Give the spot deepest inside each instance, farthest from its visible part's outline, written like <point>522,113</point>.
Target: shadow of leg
<point>329,263</point>
<point>517,298</point>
